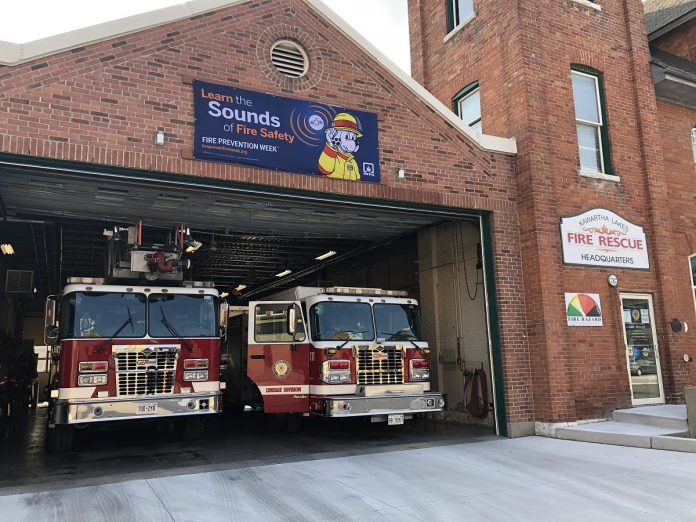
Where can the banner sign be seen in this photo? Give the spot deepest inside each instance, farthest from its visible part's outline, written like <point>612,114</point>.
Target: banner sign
<point>599,237</point>
<point>282,133</point>
<point>583,309</point>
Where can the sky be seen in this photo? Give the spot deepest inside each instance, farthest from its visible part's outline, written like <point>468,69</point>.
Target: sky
<point>383,22</point>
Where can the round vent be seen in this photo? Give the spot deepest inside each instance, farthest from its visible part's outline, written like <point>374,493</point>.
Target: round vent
<point>289,58</point>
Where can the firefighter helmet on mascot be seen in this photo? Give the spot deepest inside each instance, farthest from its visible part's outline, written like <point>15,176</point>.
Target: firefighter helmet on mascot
<point>347,122</point>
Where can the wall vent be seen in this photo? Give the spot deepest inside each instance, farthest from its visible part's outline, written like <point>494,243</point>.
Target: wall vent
<point>19,282</point>
<point>289,58</point>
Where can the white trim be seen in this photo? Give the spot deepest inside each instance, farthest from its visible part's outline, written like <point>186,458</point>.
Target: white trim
<point>599,175</point>
<point>153,289</point>
<point>13,54</point>
<point>461,26</point>
<point>85,392</point>
<point>207,386</point>
<point>332,389</point>
<point>589,4</point>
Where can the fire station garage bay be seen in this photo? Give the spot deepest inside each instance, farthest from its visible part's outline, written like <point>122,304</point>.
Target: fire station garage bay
<point>343,191</point>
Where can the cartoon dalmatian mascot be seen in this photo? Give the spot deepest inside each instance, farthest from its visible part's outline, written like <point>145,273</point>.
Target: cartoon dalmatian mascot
<point>337,160</point>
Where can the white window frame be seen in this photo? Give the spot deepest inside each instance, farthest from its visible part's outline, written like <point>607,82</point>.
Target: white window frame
<point>459,108</point>
<point>691,280</point>
<point>693,142</point>
<point>599,126</point>
<point>454,5</point>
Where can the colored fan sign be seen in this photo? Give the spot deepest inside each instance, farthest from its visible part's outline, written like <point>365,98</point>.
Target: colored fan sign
<point>583,309</point>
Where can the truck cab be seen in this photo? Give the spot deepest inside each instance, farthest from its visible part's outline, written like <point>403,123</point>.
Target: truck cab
<point>339,352</point>
<point>126,352</point>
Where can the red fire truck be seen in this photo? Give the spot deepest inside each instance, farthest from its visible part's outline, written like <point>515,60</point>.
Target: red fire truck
<point>330,352</point>
<point>133,351</point>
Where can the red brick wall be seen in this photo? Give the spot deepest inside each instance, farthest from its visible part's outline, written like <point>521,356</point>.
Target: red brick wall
<point>103,103</point>
<point>521,52</point>
<point>681,41</point>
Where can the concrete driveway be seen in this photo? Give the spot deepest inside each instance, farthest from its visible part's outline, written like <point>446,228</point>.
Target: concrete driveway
<point>523,479</point>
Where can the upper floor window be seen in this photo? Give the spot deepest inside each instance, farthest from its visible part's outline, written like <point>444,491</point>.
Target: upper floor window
<point>590,120</point>
<point>458,12</point>
<point>467,105</point>
<point>693,142</point>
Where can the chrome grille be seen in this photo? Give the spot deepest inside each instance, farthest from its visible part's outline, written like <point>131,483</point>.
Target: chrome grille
<point>143,370</point>
<point>380,365</point>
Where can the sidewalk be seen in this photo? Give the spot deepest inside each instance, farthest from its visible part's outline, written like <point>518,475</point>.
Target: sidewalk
<point>531,479</point>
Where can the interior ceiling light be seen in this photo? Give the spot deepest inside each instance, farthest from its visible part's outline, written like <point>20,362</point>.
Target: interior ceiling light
<point>224,294</point>
<point>241,287</point>
<point>326,255</point>
<point>7,249</point>
<point>284,273</point>
<point>191,244</point>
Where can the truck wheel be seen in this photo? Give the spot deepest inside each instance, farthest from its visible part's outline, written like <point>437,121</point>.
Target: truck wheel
<point>193,428</point>
<point>59,439</point>
<point>286,422</point>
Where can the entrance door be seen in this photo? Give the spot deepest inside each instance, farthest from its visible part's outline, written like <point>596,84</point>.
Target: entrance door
<point>278,359</point>
<point>642,352</point>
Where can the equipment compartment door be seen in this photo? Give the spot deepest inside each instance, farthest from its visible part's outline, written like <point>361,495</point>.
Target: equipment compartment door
<point>278,360</point>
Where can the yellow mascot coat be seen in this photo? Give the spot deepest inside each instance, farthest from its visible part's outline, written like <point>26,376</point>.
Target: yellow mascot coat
<point>335,164</point>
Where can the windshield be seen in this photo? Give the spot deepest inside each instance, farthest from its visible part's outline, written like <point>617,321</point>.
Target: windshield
<point>172,315</point>
<point>342,321</point>
<point>101,314</point>
<point>397,322</point>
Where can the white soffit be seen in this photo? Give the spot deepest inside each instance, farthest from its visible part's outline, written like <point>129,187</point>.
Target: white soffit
<point>14,53</point>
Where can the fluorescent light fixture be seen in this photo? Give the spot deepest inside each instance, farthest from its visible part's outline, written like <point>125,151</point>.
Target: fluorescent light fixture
<point>159,138</point>
<point>224,294</point>
<point>7,249</point>
<point>326,255</point>
<point>241,287</point>
<point>284,273</point>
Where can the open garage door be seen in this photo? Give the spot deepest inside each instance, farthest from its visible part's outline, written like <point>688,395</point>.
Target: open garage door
<point>259,240</point>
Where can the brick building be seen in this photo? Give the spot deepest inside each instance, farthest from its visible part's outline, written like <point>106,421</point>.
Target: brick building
<point>514,69</point>
<point>98,126</point>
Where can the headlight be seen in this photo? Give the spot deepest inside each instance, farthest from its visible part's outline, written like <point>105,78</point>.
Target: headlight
<point>419,370</point>
<point>196,375</point>
<point>91,380</point>
<point>336,372</point>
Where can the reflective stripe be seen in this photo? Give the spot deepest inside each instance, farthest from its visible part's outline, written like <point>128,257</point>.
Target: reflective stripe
<point>288,389</point>
<point>84,392</point>
<point>207,386</point>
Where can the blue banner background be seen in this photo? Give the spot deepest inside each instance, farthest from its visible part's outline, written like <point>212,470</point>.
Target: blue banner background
<point>236,125</point>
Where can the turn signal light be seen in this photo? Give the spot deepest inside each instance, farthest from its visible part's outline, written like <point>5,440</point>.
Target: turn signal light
<point>420,363</point>
<point>339,365</point>
<point>93,366</point>
<point>195,364</point>
<point>420,370</point>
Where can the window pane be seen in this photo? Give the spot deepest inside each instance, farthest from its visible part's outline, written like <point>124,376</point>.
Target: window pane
<point>588,143</point>
<point>470,107</point>
<point>342,321</point>
<point>271,324</point>
<point>397,322</point>
<point>585,98</point>
<point>463,9</point>
<point>693,271</point>
<point>172,315</point>
<point>103,314</point>
<point>693,142</point>
<point>477,126</point>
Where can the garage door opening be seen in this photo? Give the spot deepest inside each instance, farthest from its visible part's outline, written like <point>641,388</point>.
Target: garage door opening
<point>255,245</point>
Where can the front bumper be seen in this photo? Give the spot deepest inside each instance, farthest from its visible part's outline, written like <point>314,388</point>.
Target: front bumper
<point>359,406</point>
<point>76,411</point>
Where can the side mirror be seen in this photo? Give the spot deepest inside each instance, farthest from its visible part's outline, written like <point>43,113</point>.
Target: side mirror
<point>224,318</point>
<point>50,329</point>
<point>292,320</point>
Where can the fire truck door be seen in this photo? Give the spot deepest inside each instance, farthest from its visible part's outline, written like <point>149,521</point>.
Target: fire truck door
<point>278,356</point>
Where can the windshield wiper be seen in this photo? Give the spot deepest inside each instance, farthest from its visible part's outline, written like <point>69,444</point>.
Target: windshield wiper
<point>169,326</point>
<point>352,337</point>
<point>128,321</point>
<point>397,333</point>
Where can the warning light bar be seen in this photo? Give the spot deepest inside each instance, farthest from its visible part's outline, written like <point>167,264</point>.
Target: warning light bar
<point>345,290</point>
<point>86,280</point>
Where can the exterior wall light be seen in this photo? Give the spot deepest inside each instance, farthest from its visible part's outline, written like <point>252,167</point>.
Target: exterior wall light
<point>159,137</point>
<point>400,173</point>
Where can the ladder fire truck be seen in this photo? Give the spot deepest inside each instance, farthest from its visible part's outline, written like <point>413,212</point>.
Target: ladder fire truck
<point>329,352</point>
<point>145,345</point>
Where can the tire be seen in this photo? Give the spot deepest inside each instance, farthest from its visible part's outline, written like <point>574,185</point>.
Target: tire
<point>286,422</point>
<point>193,428</point>
<point>59,439</point>
<point>639,372</point>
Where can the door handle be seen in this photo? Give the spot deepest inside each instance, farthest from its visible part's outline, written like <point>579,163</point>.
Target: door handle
<point>258,356</point>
